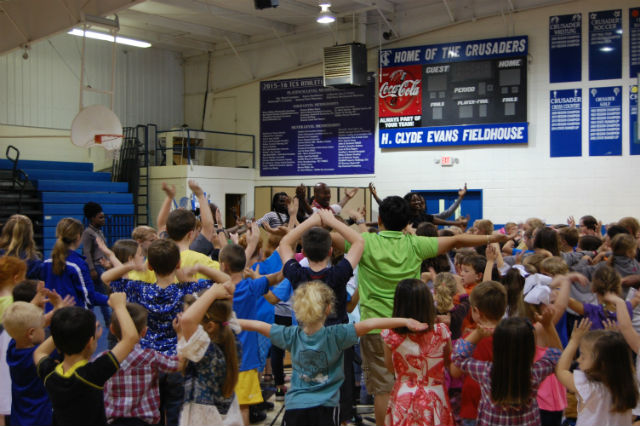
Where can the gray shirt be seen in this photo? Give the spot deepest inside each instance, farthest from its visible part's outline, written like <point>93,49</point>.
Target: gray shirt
<point>89,247</point>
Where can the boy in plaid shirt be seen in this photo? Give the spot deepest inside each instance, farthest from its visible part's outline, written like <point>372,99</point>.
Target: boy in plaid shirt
<point>132,395</point>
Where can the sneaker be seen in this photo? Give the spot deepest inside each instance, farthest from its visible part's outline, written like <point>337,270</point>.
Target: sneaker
<point>280,391</point>
<point>256,415</point>
<point>265,406</point>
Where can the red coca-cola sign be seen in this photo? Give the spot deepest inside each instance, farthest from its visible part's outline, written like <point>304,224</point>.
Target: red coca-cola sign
<point>400,91</point>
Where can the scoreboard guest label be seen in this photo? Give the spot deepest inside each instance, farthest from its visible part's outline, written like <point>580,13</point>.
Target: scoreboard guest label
<point>464,93</point>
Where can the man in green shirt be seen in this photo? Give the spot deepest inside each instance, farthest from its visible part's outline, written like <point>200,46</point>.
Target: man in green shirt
<point>389,257</point>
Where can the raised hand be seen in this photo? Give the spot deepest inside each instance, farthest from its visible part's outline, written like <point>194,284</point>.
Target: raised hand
<point>372,188</point>
<point>195,188</point>
<point>571,222</point>
<point>117,300</point>
<point>219,218</point>
<point>250,273</point>
<point>292,207</point>
<point>463,191</point>
<point>350,193</point>
<point>169,190</point>
<point>580,329</point>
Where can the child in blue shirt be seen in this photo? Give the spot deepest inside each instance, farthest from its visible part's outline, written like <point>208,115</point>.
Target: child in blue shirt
<point>247,292</point>
<point>317,353</point>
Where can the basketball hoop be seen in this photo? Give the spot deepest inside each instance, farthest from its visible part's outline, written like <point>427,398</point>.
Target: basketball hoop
<point>104,138</point>
<point>97,125</point>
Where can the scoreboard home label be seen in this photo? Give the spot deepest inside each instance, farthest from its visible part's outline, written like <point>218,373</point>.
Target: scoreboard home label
<point>465,93</point>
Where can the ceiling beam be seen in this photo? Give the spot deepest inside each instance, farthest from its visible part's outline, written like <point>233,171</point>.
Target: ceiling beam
<point>229,15</point>
<point>179,42</point>
<point>133,18</point>
<point>383,5</point>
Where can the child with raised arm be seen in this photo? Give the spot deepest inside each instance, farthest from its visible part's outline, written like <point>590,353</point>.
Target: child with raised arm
<point>604,384</point>
<point>163,300</point>
<point>316,246</point>
<point>509,383</point>
<point>207,340</point>
<point>181,228</point>
<point>247,291</point>
<point>75,384</point>
<point>132,395</point>
<point>316,353</point>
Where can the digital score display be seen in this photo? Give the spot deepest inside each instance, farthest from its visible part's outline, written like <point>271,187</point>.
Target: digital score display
<point>447,89</point>
<point>478,92</point>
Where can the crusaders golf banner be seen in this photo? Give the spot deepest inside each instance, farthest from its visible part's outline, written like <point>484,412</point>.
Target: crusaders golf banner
<point>459,93</point>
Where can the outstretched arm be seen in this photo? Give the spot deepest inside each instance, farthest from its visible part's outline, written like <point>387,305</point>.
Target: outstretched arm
<point>253,325</point>
<point>363,327</point>
<point>163,214</point>
<point>451,210</point>
<point>446,244</point>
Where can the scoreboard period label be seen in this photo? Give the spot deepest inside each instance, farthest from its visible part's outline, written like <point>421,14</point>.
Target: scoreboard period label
<point>464,93</point>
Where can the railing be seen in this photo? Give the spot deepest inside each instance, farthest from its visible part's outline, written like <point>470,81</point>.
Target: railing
<point>116,227</point>
<point>19,178</point>
<point>205,147</point>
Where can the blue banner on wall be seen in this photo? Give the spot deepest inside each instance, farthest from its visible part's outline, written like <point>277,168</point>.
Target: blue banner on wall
<point>634,143</point>
<point>479,134</point>
<point>605,121</point>
<point>309,129</point>
<point>565,48</point>
<point>462,51</point>
<point>634,42</point>
<point>605,44</point>
<point>566,122</point>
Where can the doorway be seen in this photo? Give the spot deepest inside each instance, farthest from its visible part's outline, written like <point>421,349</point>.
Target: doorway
<point>233,208</point>
<point>439,200</point>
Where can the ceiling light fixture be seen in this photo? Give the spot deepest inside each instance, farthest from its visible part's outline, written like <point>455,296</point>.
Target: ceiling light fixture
<point>109,37</point>
<point>325,17</point>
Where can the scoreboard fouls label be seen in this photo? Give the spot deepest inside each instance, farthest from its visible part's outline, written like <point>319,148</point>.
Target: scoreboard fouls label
<point>459,87</point>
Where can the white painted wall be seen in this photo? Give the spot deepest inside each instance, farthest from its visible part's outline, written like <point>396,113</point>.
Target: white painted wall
<point>42,92</point>
<point>518,181</point>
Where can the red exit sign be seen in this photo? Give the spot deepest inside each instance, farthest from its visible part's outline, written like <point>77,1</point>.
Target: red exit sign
<point>446,161</point>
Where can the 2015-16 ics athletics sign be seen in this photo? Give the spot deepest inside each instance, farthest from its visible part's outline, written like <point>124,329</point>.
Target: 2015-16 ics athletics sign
<point>465,93</point>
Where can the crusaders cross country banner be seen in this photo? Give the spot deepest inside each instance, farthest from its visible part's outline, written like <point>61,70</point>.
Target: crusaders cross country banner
<point>460,93</point>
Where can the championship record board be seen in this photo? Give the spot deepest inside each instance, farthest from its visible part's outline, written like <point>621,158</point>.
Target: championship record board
<point>462,93</point>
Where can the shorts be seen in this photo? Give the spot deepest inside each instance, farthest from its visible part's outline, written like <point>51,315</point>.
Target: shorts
<point>378,378</point>
<point>248,389</point>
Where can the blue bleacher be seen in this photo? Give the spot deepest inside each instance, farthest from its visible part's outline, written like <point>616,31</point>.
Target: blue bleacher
<point>66,186</point>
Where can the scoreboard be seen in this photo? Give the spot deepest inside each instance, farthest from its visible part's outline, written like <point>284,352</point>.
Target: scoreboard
<point>461,90</point>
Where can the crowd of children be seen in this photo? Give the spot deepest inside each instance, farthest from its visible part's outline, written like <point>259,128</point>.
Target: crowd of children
<point>530,324</point>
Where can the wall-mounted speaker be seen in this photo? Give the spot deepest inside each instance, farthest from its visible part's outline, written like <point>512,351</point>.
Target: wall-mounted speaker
<point>345,65</point>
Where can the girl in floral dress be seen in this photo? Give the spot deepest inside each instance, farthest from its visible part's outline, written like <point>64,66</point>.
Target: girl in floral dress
<point>418,359</point>
<point>207,341</point>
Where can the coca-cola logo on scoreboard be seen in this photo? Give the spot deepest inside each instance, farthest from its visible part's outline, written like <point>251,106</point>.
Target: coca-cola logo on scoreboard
<point>400,92</point>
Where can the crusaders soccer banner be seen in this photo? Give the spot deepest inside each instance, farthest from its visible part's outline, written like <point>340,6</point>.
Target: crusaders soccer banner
<point>460,93</point>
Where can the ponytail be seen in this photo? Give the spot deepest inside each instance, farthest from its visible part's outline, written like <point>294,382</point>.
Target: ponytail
<point>227,340</point>
<point>68,230</point>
